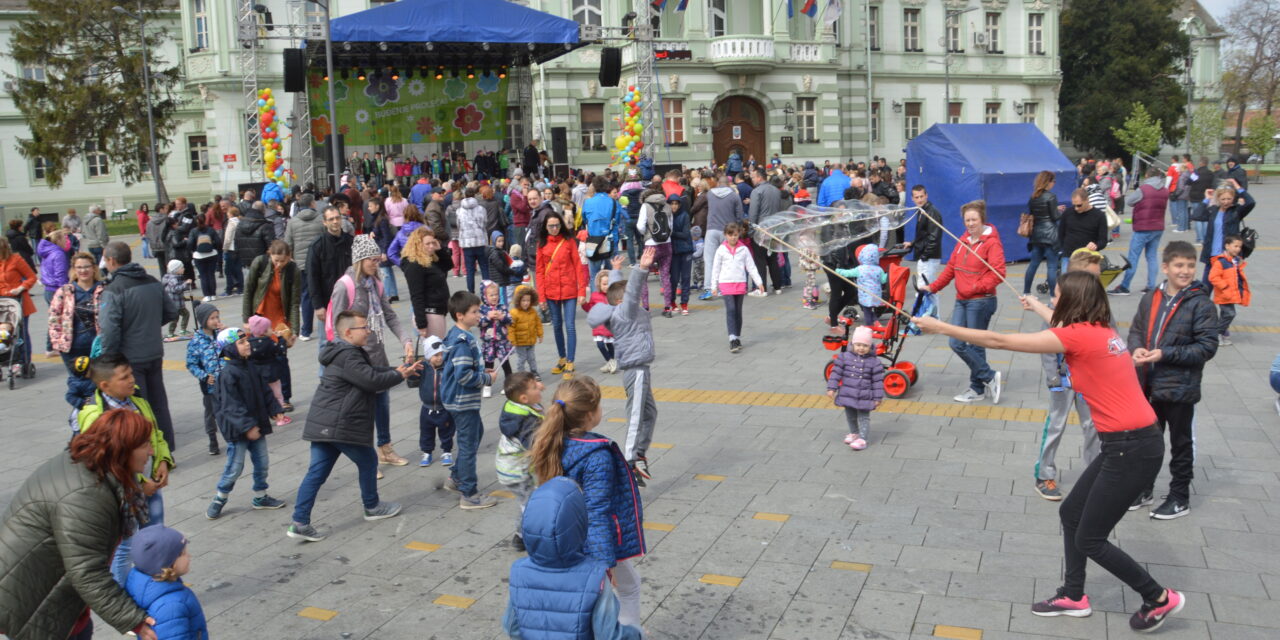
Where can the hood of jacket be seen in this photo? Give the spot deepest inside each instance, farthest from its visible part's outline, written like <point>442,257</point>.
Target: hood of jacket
<point>809,165</point>
<point>656,199</point>
<point>332,350</point>
<point>132,270</point>
<point>555,524</point>
<point>869,255</point>
<point>722,192</point>
<point>469,203</point>
<point>306,215</point>
<point>146,590</point>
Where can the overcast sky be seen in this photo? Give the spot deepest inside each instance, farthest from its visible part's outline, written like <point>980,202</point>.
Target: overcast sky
<point>1218,8</point>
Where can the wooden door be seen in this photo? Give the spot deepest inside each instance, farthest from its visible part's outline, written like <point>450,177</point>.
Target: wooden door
<point>738,123</point>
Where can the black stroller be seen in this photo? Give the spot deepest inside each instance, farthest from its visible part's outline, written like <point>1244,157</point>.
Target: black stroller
<point>13,350</point>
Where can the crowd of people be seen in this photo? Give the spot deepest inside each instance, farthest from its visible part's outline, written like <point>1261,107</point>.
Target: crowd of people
<point>322,266</point>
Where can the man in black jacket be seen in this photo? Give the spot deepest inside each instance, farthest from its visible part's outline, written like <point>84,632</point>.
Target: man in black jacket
<point>1173,334</point>
<point>327,259</point>
<point>254,233</point>
<point>927,241</point>
<point>132,310</point>
<point>340,421</point>
<point>1201,180</point>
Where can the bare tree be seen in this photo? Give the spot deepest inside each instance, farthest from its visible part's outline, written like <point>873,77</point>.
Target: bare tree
<point>1253,67</point>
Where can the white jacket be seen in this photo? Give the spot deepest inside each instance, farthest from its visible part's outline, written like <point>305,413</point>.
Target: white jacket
<point>733,266</point>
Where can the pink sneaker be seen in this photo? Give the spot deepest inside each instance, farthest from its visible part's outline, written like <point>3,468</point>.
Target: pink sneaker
<point>850,438</point>
<point>283,421</point>
<point>1150,616</point>
<point>858,444</point>
<point>1061,605</point>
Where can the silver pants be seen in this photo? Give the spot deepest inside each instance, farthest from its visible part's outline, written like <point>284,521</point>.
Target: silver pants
<point>1060,403</point>
<point>526,360</point>
<point>642,411</point>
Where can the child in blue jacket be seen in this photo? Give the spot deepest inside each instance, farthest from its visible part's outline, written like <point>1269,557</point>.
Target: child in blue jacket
<point>566,446</point>
<point>160,559</point>
<point>558,573</point>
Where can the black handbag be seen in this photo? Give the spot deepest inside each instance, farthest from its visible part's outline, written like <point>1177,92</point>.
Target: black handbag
<point>1249,236</point>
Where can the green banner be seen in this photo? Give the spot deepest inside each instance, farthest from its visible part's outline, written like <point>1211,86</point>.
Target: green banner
<point>409,110</point>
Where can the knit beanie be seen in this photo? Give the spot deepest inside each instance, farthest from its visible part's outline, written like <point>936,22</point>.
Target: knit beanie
<point>862,335</point>
<point>174,265</point>
<point>156,548</point>
<point>202,314</point>
<point>258,326</point>
<point>363,248</point>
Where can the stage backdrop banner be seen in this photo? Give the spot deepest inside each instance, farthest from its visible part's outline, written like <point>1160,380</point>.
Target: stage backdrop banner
<point>409,110</point>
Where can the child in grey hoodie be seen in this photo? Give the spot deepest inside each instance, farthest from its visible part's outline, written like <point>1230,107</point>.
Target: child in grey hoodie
<point>633,349</point>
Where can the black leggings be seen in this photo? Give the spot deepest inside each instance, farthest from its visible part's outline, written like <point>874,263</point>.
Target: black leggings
<point>843,294</point>
<point>606,349</point>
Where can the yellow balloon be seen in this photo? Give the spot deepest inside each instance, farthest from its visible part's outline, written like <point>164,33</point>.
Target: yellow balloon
<point>638,128</point>
<point>271,102</point>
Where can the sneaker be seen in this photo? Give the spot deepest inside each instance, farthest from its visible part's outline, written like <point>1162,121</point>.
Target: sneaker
<point>559,368</point>
<point>486,392</point>
<point>684,309</point>
<point>635,475</point>
<point>380,475</point>
<point>1118,290</point>
<point>1171,508</point>
<point>641,465</point>
<point>604,368</point>
<point>969,395</point>
<point>426,460</point>
<point>706,295</point>
<point>477,501</point>
<point>446,459</point>
<point>517,542</point>
<point>213,449</point>
<point>995,387</point>
<point>568,371</point>
<point>666,312</point>
<point>1224,341</point>
<point>858,444</point>
<point>265,501</point>
<point>283,421</point>
<point>758,294</point>
<point>1151,615</point>
<point>171,338</point>
<point>382,511</point>
<point>215,508</point>
<point>1142,501</point>
<point>304,532</point>
<point>735,345</point>
<point>613,365</point>
<point>305,338</point>
<point>288,407</point>
<point>850,438</point>
<point>1048,489</point>
<point>450,485</point>
<point>1061,605</point>
<point>777,292</point>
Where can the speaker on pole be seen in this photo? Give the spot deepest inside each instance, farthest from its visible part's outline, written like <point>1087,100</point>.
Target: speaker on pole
<point>610,66</point>
<point>559,145</point>
<point>295,71</point>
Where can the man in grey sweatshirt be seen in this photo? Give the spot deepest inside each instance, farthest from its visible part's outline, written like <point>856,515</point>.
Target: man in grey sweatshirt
<point>723,206</point>
<point>766,200</point>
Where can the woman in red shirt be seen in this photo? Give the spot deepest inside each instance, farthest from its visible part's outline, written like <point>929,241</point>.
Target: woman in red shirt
<point>560,285</point>
<point>975,295</point>
<point>1132,446</point>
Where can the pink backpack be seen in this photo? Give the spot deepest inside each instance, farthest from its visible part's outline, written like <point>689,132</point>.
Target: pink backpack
<point>351,298</point>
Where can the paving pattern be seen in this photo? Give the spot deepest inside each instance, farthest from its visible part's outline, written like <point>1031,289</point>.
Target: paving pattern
<point>760,522</point>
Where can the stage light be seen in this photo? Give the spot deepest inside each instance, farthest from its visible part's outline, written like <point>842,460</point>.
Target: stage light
<point>471,72</point>
<point>395,75</point>
<point>382,46</point>
<point>360,74</point>
<point>502,73</point>
<point>440,73</point>
<point>326,78</point>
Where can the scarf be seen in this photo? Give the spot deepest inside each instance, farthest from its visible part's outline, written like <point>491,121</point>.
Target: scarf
<point>376,320</point>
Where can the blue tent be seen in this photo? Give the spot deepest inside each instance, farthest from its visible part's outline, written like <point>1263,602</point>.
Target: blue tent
<point>997,163</point>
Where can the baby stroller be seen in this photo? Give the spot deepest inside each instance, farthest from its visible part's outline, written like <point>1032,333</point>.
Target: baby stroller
<point>12,347</point>
<point>1109,273</point>
<point>892,335</point>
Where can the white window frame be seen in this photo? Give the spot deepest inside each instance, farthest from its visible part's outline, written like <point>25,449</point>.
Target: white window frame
<point>1035,34</point>
<point>875,121</point>
<point>593,138</point>
<point>991,113</point>
<point>96,164</point>
<point>1030,112</point>
<point>911,123</point>
<point>34,72</point>
<point>716,14</point>
<point>992,26</point>
<point>957,117</point>
<point>39,170</point>
<point>807,118</point>
<point>198,154</point>
<point>514,128</point>
<point>200,24</point>
<point>911,30</point>
<point>955,40</point>
<point>873,28</point>
<point>673,120</point>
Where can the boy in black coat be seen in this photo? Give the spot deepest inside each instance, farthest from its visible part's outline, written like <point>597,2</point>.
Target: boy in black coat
<point>1173,334</point>
<point>245,408</point>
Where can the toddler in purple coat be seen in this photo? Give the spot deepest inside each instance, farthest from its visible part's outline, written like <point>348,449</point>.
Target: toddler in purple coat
<point>857,384</point>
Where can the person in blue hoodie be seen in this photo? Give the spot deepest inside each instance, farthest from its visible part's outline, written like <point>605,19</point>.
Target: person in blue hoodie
<point>559,591</point>
<point>566,446</point>
<point>160,559</point>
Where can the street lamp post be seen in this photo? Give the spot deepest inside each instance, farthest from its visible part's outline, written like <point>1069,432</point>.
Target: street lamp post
<point>161,196</point>
<point>946,60</point>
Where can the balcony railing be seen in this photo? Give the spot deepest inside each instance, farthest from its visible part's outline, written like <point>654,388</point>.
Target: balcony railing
<point>742,54</point>
<point>806,52</point>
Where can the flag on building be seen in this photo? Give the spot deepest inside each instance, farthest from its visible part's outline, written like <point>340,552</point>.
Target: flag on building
<point>833,11</point>
<point>659,4</point>
<point>810,8</point>
<point>684,4</point>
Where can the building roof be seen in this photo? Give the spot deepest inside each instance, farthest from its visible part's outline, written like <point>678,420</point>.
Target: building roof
<point>1193,9</point>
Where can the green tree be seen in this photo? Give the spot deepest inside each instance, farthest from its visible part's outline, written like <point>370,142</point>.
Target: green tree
<point>1115,54</point>
<point>1204,136</point>
<point>1262,135</point>
<point>92,90</point>
<point>1140,133</point>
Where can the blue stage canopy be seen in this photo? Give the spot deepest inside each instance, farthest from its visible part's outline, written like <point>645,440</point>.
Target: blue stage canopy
<point>997,163</point>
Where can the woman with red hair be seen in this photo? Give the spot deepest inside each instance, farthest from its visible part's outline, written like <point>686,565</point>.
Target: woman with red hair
<point>59,532</point>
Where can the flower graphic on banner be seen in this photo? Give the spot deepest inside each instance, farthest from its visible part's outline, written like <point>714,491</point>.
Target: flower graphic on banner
<point>469,119</point>
<point>488,104</point>
<point>383,90</point>
<point>454,88</point>
<point>315,80</point>
<point>344,129</point>
<point>488,82</point>
<point>473,95</point>
<point>416,87</point>
<point>417,137</point>
<point>425,125</point>
<point>339,91</point>
<point>362,116</point>
<point>320,128</point>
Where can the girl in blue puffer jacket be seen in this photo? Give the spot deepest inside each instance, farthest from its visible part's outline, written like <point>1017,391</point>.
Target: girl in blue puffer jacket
<point>566,446</point>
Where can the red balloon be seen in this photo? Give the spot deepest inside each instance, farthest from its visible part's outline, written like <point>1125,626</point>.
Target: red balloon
<point>631,88</point>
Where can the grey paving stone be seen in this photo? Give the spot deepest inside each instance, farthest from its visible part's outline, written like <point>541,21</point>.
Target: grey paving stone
<point>809,620</point>
<point>885,611</point>
<point>940,558</point>
<point>983,586</point>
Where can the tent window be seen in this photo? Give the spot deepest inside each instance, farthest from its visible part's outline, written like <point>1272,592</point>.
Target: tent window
<point>587,12</point>
<point>911,123</point>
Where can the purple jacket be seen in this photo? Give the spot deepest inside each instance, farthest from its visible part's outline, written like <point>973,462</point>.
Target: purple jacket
<point>53,265</point>
<point>857,380</point>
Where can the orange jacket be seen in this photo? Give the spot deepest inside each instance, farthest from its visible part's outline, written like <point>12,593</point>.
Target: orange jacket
<point>558,275</point>
<point>1229,284</point>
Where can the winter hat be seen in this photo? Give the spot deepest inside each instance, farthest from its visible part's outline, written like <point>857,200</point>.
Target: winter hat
<point>493,238</point>
<point>258,325</point>
<point>229,336</point>
<point>174,265</point>
<point>202,314</point>
<point>156,548</point>
<point>695,232</point>
<point>862,335</point>
<point>363,248</point>
<point>431,345</point>
<point>802,194</point>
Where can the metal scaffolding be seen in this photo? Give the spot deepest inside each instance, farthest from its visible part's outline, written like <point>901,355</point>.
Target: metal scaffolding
<point>247,36</point>
<point>646,80</point>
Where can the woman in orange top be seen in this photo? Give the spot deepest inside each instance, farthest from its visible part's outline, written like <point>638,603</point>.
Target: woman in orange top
<point>273,290</point>
<point>16,280</point>
<point>560,286</point>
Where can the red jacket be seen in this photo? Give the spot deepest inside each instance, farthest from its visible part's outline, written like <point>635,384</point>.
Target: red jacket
<point>973,279</point>
<point>558,275</point>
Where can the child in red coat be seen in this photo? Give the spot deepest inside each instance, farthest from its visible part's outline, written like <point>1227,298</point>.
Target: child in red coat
<point>601,334</point>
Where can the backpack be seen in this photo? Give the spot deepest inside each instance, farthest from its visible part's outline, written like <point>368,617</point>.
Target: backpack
<point>350,284</point>
<point>204,243</point>
<point>660,224</point>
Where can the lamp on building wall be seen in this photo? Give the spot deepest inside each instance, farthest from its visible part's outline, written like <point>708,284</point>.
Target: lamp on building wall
<point>897,107</point>
<point>703,112</point>
<point>787,112</point>
<point>1017,107</point>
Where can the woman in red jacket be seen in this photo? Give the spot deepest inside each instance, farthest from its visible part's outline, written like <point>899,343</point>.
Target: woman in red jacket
<point>560,285</point>
<point>975,295</point>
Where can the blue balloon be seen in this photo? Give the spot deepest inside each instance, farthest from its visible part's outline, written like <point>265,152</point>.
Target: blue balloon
<point>262,103</point>
<point>279,172</point>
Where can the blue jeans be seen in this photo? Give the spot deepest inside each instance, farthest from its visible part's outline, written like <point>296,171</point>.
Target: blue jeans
<point>323,456</point>
<point>1148,241</point>
<point>382,416</point>
<point>307,311</point>
<point>1178,212</point>
<point>563,314</point>
<point>1202,230</point>
<point>681,272</point>
<point>468,431</point>
<point>234,271</point>
<point>974,314</point>
<point>473,257</point>
<point>257,450</point>
<point>389,280</point>
<point>1047,254</point>
<point>594,266</point>
<point>120,561</point>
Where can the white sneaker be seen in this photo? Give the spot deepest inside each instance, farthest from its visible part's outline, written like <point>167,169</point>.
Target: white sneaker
<point>758,294</point>
<point>486,392</point>
<point>604,368</point>
<point>969,395</point>
<point>305,338</point>
<point>994,388</point>
<point>613,365</point>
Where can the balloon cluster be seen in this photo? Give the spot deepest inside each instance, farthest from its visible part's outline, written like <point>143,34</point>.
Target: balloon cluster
<point>628,144</point>
<point>270,129</point>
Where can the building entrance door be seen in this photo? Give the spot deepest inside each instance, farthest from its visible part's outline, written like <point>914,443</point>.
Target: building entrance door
<point>738,124</point>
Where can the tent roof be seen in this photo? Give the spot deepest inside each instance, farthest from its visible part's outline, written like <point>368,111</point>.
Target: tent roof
<point>996,148</point>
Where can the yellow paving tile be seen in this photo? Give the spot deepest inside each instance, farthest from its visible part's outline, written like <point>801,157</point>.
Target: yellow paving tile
<point>934,365</point>
<point>956,633</point>
<point>772,517</point>
<point>850,566</point>
<point>617,419</point>
<point>709,477</point>
<point>661,445</point>
<point>502,494</point>
<point>727,581</point>
<point>659,526</point>
<point>422,546</point>
<point>457,602</point>
<point>315,613</point>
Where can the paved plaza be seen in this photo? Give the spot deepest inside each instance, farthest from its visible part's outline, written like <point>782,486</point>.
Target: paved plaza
<point>760,522</point>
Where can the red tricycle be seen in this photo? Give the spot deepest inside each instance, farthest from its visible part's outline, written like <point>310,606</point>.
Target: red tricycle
<point>892,334</point>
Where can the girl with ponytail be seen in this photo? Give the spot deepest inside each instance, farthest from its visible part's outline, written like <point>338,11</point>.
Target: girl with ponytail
<point>565,446</point>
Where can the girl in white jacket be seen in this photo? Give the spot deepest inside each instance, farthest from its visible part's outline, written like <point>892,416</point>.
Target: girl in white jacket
<point>730,268</point>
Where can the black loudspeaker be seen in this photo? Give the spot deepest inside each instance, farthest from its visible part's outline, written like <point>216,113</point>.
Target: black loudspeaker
<point>559,145</point>
<point>342,153</point>
<point>610,66</point>
<point>295,71</point>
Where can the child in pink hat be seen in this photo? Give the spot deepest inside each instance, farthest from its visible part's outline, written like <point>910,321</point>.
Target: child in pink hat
<point>857,384</point>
